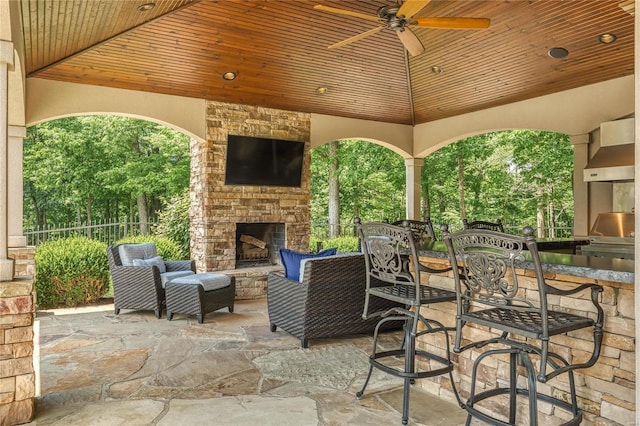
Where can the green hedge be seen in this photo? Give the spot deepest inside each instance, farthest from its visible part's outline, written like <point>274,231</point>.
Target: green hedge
<point>71,272</point>
<point>173,223</point>
<point>166,247</point>
<point>343,244</point>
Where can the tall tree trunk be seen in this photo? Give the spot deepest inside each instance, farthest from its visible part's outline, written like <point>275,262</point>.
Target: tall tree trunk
<point>334,191</point>
<point>552,220</point>
<point>540,212</point>
<point>132,216</point>
<point>426,205</point>
<point>463,211</point>
<point>143,214</point>
<point>89,217</point>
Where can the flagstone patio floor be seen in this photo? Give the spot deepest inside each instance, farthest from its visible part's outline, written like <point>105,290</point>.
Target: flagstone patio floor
<point>98,368</point>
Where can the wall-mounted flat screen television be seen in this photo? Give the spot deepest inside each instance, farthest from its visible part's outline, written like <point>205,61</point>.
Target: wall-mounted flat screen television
<point>262,161</point>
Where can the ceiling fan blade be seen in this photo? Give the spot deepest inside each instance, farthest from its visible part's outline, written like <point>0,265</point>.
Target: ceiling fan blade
<point>410,42</point>
<point>346,12</point>
<point>411,7</point>
<point>356,37</point>
<point>452,23</point>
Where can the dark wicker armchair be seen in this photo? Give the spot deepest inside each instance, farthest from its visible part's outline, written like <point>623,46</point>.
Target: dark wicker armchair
<point>327,303</point>
<point>142,287</point>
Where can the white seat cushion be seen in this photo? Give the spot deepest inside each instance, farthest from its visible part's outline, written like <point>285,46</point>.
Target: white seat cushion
<point>169,276</point>
<point>208,281</point>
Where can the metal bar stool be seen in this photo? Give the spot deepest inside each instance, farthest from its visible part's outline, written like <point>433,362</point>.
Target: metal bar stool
<point>487,280</point>
<point>387,250</point>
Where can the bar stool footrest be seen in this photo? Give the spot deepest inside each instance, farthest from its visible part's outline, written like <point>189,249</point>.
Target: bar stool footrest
<point>474,412</point>
<point>419,354</point>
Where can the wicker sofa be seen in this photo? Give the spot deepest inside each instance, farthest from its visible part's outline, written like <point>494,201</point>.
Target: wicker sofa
<point>327,302</point>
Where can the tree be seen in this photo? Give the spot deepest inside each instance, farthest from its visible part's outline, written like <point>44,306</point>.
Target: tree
<point>334,190</point>
<point>370,181</point>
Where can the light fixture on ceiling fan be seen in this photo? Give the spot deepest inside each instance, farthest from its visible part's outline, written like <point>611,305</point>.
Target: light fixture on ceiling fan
<point>400,18</point>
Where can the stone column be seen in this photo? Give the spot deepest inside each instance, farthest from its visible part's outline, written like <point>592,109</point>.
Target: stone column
<point>17,134</point>
<point>6,60</point>
<point>413,167</point>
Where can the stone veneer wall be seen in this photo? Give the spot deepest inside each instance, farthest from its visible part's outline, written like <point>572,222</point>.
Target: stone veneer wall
<point>216,207</point>
<point>17,312</point>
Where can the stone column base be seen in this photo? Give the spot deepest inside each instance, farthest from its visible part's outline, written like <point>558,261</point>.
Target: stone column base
<point>6,270</point>
<point>17,241</point>
<point>17,372</point>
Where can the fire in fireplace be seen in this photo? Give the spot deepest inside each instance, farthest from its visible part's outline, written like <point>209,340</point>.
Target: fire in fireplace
<point>257,244</point>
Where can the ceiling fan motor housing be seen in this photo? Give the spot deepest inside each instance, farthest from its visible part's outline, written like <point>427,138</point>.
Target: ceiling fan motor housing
<point>391,20</point>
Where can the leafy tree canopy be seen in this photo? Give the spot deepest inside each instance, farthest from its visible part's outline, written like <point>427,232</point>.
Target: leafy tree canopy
<point>79,167</point>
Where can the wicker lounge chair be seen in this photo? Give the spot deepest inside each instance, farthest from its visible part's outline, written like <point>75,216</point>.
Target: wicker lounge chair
<point>327,303</point>
<point>142,287</point>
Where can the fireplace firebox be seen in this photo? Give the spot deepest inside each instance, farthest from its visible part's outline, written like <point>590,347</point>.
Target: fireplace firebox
<point>257,244</point>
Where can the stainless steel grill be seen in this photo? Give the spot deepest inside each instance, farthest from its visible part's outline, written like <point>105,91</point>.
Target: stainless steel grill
<point>612,235</point>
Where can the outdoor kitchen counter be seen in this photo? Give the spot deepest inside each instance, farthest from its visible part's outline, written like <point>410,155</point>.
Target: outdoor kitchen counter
<point>606,391</point>
<point>597,268</point>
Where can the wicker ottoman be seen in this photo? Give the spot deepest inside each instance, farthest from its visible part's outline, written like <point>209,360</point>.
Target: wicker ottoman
<point>199,294</point>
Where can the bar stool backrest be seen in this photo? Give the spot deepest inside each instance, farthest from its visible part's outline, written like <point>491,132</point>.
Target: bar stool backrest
<point>483,224</point>
<point>423,232</point>
<point>386,248</point>
<point>488,261</point>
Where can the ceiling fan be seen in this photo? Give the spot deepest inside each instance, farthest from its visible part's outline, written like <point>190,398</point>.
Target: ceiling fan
<point>400,18</point>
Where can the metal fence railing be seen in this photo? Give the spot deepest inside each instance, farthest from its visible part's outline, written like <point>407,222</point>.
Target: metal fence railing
<point>321,230</point>
<point>107,232</point>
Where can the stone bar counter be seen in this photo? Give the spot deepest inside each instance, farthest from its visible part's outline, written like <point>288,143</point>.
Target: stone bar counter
<point>606,391</point>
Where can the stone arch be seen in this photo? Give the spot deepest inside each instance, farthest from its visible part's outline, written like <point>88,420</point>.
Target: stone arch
<point>387,145</point>
<point>186,115</point>
<point>573,112</point>
<point>397,137</point>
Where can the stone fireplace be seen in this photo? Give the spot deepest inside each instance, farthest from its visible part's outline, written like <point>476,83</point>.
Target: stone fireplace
<point>218,211</point>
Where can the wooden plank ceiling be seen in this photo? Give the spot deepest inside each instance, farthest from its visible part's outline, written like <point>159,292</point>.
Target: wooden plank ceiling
<point>279,51</point>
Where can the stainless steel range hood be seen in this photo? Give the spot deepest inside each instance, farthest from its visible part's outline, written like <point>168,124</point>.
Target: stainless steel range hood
<point>611,163</point>
<point>614,161</point>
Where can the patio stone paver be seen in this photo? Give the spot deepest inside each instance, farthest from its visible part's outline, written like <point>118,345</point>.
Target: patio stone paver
<point>98,368</point>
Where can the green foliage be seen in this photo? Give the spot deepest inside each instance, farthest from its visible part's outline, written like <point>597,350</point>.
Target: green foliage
<point>510,175</point>
<point>77,168</point>
<point>516,176</point>
<point>173,222</point>
<point>166,248</point>
<point>343,244</point>
<point>71,272</point>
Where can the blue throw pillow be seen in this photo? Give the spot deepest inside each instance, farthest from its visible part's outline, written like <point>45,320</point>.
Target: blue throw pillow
<point>291,260</point>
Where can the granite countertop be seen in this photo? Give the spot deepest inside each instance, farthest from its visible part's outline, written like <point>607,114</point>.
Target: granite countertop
<point>597,268</point>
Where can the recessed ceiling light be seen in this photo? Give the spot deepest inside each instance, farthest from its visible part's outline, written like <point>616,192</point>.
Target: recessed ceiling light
<point>437,70</point>
<point>229,75</point>
<point>607,38</point>
<point>558,52</point>
<point>321,90</point>
<point>146,6</point>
